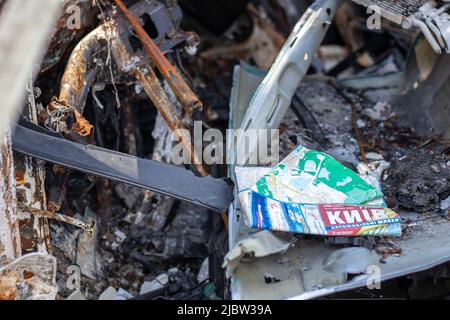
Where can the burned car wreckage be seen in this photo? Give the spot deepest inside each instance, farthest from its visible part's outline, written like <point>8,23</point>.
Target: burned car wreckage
<point>195,149</point>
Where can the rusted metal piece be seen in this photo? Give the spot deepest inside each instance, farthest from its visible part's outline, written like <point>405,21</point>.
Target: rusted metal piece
<point>162,21</point>
<point>82,126</point>
<point>170,73</point>
<point>89,228</point>
<point>34,231</point>
<point>21,23</point>
<point>65,112</point>
<point>81,69</point>
<point>92,58</point>
<point>158,96</point>
<point>30,190</point>
<point>9,224</point>
<point>31,277</point>
<point>67,120</point>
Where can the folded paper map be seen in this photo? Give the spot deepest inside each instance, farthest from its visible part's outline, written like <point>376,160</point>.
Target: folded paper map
<point>310,192</point>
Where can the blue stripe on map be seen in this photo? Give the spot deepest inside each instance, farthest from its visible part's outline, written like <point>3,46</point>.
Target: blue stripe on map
<point>260,205</point>
<point>287,217</point>
<point>255,220</point>
<point>292,210</point>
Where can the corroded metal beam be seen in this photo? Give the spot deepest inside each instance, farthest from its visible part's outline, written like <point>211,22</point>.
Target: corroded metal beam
<point>9,224</point>
<point>179,86</point>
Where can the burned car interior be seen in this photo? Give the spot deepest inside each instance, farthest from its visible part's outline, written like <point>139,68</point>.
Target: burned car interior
<point>224,150</point>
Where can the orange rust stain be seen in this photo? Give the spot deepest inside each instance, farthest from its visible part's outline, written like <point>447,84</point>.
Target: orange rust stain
<point>52,207</point>
<point>8,290</point>
<point>58,168</point>
<point>28,243</point>
<point>28,274</point>
<point>82,126</point>
<point>9,294</point>
<point>20,177</point>
<point>176,81</point>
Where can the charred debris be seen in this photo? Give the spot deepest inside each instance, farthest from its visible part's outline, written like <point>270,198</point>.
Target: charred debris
<point>91,206</point>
